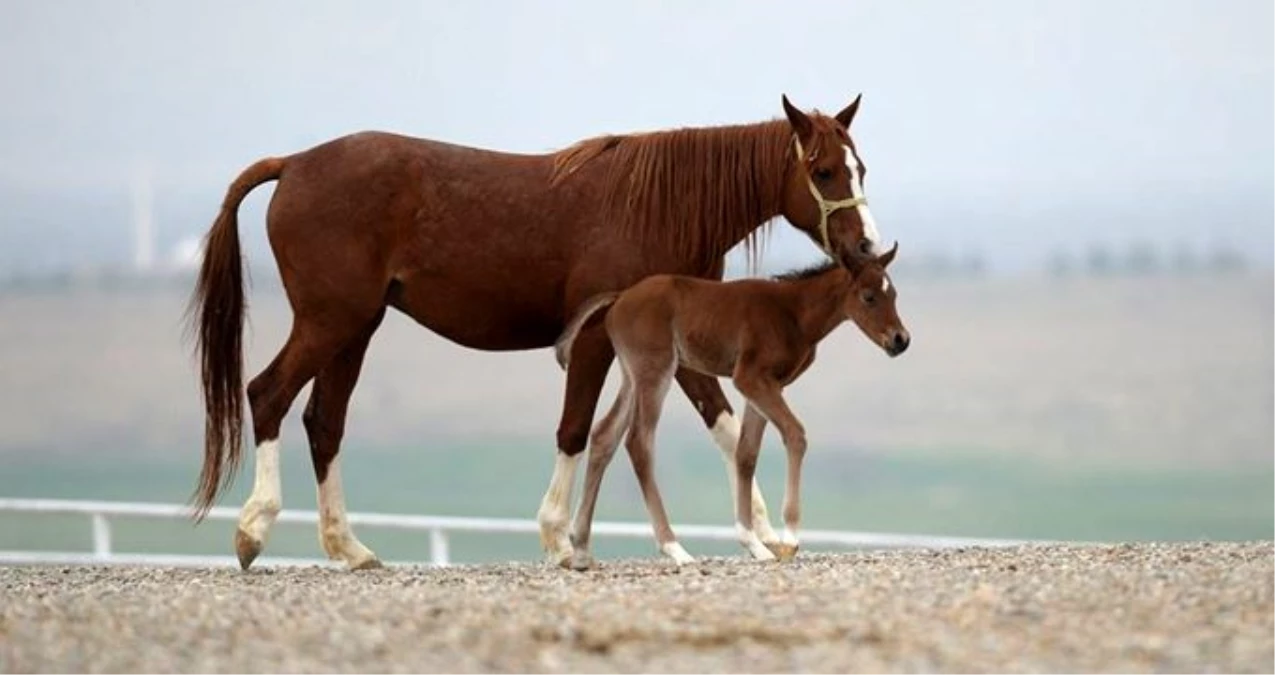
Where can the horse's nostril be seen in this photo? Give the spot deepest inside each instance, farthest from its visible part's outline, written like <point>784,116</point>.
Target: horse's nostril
<point>900,341</point>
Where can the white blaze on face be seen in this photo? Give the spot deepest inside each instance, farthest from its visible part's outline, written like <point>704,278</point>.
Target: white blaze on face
<point>856,189</point>
<point>885,283</point>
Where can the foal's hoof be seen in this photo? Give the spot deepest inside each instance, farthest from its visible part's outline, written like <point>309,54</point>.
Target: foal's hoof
<point>582,561</point>
<point>246,548</point>
<point>372,563</point>
<point>785,552</point>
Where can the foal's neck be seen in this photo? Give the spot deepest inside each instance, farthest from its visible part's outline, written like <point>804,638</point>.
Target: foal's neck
<point>819,303</point>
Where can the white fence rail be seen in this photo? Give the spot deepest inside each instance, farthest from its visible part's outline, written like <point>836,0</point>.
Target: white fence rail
<point>437,527</point>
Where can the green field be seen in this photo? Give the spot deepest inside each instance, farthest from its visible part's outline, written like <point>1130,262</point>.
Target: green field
<point>924,493</point>
<point>1085,409</point>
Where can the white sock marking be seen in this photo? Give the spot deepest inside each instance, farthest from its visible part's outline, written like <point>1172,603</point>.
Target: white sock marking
<point>334,527</point>
<point>675,551</point>
<point>263,505</point>
<point>725,433</point>
<point>752,543</point>
<point>856,190</point>
<point>789,538</point>
<point>555,508</point>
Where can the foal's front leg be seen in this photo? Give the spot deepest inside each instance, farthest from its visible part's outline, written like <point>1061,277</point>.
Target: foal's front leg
<point>705,392</point>
<point>745,469</point>
<point>767,398</point>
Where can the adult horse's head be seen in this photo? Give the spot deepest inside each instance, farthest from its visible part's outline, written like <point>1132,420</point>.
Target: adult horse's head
<point>823,195</point>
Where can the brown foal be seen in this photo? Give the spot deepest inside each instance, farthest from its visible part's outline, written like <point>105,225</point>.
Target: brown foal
<point>762,334</point>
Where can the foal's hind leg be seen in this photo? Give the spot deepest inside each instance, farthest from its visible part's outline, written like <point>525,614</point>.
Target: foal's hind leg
<point>705,393</point>
<point>324,420</point>
<point>651,378</point>
<point>309,347</point>
<point>602,444</point>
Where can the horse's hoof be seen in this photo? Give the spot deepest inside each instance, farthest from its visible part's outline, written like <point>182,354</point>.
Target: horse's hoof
<point>560,558</point>
<point>246,548</point>
<point>372,563</point>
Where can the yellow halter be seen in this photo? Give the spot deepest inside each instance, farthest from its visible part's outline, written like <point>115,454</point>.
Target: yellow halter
<point>826,208</point>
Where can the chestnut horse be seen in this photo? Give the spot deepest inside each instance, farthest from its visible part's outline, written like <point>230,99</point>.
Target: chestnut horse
<point>761,334</point>
<point>493,251</point>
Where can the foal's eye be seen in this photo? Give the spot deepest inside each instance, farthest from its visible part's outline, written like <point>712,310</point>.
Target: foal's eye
<point>823,174</point>
<point>869,299</point>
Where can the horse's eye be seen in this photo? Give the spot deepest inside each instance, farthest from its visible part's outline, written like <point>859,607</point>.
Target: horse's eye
<point>869,299</point>
<point>823,174</point>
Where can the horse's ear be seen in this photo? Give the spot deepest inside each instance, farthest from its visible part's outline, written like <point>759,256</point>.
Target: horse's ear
<point>799,120</point>
<point>888,257</point>
<point>845,117</point>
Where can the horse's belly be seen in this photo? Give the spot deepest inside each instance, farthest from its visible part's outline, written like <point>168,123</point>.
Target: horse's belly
<point>486,321</point>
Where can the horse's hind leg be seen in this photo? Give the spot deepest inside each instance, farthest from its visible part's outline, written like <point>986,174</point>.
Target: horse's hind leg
<point>310,346</point>
<point>324,420</point>
<point>591,357</point>
<point>705,393</point>
<point>651,378</point>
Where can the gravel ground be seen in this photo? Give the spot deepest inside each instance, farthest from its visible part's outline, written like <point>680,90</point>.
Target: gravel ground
<point>1154,607</point>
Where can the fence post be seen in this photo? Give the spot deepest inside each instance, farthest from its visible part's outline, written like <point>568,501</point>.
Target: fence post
<point>101,537</point>
<point>438,552</point>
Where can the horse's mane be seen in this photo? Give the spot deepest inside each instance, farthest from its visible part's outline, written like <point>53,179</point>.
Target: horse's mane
<point>817,269</point>
<point>702,186</point>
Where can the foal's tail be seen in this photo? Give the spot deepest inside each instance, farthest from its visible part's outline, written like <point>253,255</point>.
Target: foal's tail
<point>562,348</point>
<point>216,315</point>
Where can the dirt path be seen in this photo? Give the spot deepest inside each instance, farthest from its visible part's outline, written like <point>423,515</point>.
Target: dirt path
<point>1189,607</point>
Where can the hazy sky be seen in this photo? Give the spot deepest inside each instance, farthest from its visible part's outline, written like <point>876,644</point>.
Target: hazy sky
<point>1007,126</point>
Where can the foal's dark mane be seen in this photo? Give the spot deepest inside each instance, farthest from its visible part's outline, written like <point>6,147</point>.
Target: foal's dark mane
<point>706,183</point>
<point>817,269</point>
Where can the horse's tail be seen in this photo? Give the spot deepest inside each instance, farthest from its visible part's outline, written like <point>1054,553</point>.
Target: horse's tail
<point>216,315</point>
<point>562,348</point>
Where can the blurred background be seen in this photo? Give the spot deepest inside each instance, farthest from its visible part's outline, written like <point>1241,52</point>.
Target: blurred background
<point>1082,191</point>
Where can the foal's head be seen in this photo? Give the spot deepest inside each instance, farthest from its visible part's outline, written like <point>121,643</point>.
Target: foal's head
<point>870,303</point>
<point>824,195</point>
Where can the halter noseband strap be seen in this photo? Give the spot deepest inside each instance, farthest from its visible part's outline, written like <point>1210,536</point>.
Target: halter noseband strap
<point>826,207</point>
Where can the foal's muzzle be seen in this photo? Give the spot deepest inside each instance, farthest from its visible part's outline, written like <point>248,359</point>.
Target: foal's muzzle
<point>897,343</point>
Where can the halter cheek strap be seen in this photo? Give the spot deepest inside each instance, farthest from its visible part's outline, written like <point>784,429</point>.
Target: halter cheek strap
<point>826,207</point>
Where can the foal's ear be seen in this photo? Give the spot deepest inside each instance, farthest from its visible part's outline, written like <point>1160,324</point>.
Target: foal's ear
<point>846,116</point>
<point>888,257</point>
<point>799,120</point>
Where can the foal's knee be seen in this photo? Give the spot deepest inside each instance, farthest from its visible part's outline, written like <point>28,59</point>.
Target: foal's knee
<point>638,453</point>
<point>602,441</point>
<point>796,443</point>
